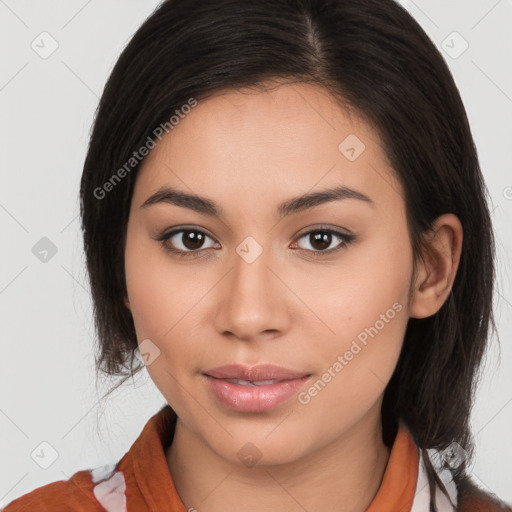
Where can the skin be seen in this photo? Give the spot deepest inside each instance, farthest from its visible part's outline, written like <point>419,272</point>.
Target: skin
<point>248,151</point>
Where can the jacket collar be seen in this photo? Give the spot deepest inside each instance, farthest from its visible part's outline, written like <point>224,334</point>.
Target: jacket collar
<point>404,486</point>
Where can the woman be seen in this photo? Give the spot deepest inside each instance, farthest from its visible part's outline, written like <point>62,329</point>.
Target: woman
<point>285,222</point>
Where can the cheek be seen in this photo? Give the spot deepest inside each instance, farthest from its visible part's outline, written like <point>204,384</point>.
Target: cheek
<point>159,303</point>
<point>163,301</point>
<point>156,296</point>
<point>362,303</point>
<point>366,280</point>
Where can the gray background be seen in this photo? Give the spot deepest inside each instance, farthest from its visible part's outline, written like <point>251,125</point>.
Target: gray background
<point>48,392</point>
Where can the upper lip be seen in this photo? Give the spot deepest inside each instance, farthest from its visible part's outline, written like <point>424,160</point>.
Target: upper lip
<point>254,373</point>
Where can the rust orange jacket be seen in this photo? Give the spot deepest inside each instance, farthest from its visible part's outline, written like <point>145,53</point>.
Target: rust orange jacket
<point>141,482</point>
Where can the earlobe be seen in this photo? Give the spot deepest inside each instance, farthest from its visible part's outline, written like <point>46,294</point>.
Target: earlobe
<point>127,302</point>
<point>437,270</point>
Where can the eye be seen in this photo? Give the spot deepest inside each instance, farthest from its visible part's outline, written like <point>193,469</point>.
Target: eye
<point>189,242</point>
<point>184,242</point>
<point>322,238</point>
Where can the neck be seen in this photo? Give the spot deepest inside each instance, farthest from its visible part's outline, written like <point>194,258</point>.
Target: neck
<point>343,476</point>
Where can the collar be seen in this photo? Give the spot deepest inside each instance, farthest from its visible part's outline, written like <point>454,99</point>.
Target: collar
<point>150,464</point>
<point>396,493</point>
<point>404,486</point>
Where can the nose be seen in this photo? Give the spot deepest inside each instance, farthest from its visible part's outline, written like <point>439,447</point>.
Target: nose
<point>253,302</point>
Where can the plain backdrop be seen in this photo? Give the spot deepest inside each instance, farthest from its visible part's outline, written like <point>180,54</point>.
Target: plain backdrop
<point>48,400</point>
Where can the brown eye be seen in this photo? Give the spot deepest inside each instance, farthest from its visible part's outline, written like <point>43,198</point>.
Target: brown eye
<point>321,240</point>
<point>185,242</point>
<point>192,240</point>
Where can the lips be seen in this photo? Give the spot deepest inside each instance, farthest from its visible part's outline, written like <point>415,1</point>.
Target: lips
<point>257,375</point>
<point>253,389</point>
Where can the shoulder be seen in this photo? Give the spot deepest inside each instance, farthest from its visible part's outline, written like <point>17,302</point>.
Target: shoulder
<point>108,487</point>
<point>81,492</point>
<point>474,499</point>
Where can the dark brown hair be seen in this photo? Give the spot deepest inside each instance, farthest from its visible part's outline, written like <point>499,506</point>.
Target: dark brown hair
<point>375,59</point>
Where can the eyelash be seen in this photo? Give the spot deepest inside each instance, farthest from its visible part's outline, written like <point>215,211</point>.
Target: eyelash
<point>346,240</point>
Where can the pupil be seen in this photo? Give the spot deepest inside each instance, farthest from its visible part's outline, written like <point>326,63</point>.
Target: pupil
<point>192,239</point>
<point>322,238</point>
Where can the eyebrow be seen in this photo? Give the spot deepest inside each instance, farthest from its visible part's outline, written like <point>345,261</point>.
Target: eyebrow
<point>297,204</point>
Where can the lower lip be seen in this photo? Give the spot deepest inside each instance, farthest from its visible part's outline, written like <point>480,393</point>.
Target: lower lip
<point>253,398</point>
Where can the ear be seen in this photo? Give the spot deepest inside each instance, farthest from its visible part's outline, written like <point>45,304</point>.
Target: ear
<point>437,272</point>
<point>127,302</point>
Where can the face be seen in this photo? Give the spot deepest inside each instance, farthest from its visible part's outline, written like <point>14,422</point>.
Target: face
<point>319,287</point>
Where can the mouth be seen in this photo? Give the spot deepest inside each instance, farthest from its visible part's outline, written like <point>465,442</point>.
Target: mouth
<point>258,373</point>
<point>253,389</point>
<point>242,382</point>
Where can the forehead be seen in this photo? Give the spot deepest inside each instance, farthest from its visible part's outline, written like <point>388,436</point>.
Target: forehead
<point>256,145</point>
